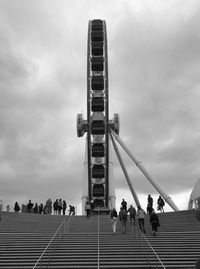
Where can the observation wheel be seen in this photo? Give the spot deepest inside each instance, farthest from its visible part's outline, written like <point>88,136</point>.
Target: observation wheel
<point>100,129</point>
<point>97,123</point>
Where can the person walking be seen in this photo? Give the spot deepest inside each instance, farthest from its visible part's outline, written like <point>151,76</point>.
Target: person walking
<point>150,200</point>
<point>154,221</point>
<point>160,204</point>
<point>113,216</point>
<point>140,216</point>
<point>132,213</point>
<point>123,219</point>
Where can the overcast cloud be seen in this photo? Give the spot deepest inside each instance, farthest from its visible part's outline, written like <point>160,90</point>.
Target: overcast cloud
<point>154,85</point>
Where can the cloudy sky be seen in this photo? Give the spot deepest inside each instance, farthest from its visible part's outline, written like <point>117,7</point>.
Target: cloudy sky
<point>154,85</point>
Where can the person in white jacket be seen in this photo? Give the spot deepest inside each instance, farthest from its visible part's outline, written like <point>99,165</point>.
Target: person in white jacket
<point>140,217</point>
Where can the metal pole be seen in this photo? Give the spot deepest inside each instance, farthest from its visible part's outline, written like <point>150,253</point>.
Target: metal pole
<point>125,172</point>
<point>145,172</point>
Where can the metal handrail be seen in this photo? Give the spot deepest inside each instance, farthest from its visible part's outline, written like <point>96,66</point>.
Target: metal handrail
<point>40,259</point>
<point>150,247</point>
<point>98,240</point>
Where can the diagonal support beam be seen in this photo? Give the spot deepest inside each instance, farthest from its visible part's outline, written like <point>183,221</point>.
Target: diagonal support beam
<point>125,172</point>
<point>145,172</point>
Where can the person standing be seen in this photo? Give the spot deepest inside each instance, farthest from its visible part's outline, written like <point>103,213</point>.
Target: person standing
<point>59,206</point>
<point>29,206</point>
<point>154,221</point>
<point>40,208</point>
<point>8,208</point>
<point>92,206</point>
<point>55,207</point>
<point>160,204</point>
<point>123,219</point>
<point>140,217</point>
<point>87,208</point>
<point>124,204</point>
<point>64,207</point>
<point>35,209</point>
<point>132,213</point>
<point>113,216</point>
<point>16,207</point>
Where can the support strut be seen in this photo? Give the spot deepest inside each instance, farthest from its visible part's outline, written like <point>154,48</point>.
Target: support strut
<point>145,172</point>
<point>125,172</point>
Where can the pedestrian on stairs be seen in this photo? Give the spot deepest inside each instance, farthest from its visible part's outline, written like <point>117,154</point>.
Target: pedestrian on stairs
<point>124,204</point>
<point>160,204</point>
<point>140,217</point>
<point>87,208</point>
<point>132,213</point>
<point>154,221</point>
<point>113,216</point>
<point>123,219</point>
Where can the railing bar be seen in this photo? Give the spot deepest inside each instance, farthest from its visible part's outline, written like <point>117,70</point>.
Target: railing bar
<point>41,256</point>
<point>157,259</point>
<point>98,240</point>
<point>153,250</point>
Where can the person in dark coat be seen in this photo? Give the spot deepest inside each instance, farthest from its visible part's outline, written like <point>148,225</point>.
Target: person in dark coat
<point>35,209</point>
<point>87,208</point>
<point>17,207</point>
<point>160,204</point>
<point>124,204</point>
<point>64,207</point>
<point>132,213</point>
<point>55,207</point>
<point>123,219</point>
<point>154,221</point>
<point>29,206</point>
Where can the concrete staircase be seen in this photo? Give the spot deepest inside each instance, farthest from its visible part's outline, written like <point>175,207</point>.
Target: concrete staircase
<point>23,237</point>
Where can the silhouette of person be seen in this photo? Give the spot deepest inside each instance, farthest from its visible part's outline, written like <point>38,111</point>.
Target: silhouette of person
<point>113,216</point>
<point>55,207</point>
<point>64,207</point>
<point>123,219</point>
<point>132,213</point>
<point>16,207</point>
<point>87,208</point>
<point>140,216</point>
<point>160,204</point>
<point>29,206</point>
<point>154,220</point>
<point>124,204</point>
<point>35,209</point>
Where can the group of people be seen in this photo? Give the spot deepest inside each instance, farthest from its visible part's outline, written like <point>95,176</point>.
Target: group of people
<point>138,214</point>
<point>58,207</point>
<point>160,204</point>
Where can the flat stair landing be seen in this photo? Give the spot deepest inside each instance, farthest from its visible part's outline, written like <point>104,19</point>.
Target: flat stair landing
<point>23,237</point>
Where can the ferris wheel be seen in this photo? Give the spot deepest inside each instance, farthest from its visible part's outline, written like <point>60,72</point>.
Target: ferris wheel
<point>100,129</point>
<point>97,123</point>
